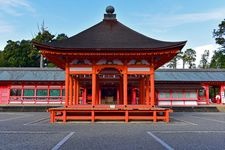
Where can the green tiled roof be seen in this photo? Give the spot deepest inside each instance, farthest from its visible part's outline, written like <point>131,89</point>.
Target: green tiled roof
<point>192,75</point>
<point>169,75</point>
<point>31,74</point>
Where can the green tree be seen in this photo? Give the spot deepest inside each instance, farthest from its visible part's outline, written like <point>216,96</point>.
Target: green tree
<point>18,54</point>
<point>61,36</point>
<point>43,36</point>
<point>173,63</point>
<point>204,60</point>
<point>24,54</point>
<point>218,60</point>
<point>189,57</point>
<point>219,35</point>
<point>1,59</point>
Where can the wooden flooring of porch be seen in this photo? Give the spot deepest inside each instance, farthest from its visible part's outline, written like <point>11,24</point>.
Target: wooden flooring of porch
<point>109,112</point>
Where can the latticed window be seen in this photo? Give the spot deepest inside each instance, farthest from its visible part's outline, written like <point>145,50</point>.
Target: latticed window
<point>28,92</point>
<point>15,92</point>
<point>42,92</point>
<point>54,92</point>
<point>177,94</point>
<point>164,94</point>
<point>191,94</point>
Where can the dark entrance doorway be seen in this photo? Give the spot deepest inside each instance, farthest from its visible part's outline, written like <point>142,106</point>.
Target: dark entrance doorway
<point>214,94</point>
<point>109,95</point>
<point>109,86</point>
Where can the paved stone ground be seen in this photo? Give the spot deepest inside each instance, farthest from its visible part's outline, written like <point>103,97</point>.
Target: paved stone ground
<point>188,130</point>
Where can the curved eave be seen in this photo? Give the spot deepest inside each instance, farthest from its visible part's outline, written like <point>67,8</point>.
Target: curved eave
<point>178,45</point>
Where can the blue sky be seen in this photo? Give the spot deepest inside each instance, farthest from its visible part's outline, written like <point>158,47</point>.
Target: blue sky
<point>169,20</point>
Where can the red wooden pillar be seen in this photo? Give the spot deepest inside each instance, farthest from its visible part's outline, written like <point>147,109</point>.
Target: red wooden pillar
<point>74,90</point>
<point>140,92</point>
<point>52,116</point>
<point>78,92</point>
<point>100,96</point>
<point>67,84</point>
<point>117,96</point>
<point>143,91</point>
<point>134,96</point>
<point>92,116</point>
<point>147,91</point>
<point>152,82</point>
<point>126,116</point>
<point>222,94</point>
<point>125,86</point>
<point>207,94</point>
<point>70,90</point>
<point>64,116</point>
<point>97,91</point>
<point>93,94</point>
<point>84,95</point>
<point>121,91</point>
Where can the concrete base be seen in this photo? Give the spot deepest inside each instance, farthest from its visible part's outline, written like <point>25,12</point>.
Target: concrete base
<point>44,108</point>
<point>26,108</point>
<point>200,108</point>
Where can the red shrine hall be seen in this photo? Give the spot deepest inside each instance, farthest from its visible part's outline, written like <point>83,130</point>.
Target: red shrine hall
<point>113,67</point>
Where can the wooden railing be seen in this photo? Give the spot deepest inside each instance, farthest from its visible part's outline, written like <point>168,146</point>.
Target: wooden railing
<point>93,114</point>
<point>36,99</point>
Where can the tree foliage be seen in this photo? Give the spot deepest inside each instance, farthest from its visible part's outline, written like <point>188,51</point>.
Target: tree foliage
<point>218,60</point>
<point>23,53</point>
<point>173,63</point>
<point>189,57</point>
<point>19,54</point>
<point>2,59</point>
<point>219,35</point>
<point>43,36</point>
<point>204,60</point>
<point>61,36</point>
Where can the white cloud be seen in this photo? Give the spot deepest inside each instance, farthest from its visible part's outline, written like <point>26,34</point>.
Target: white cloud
<point>15,7</point>
<point>200,50</point>
<point>5,27</point>
<point>172,20</point>
<point>12,8</point>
